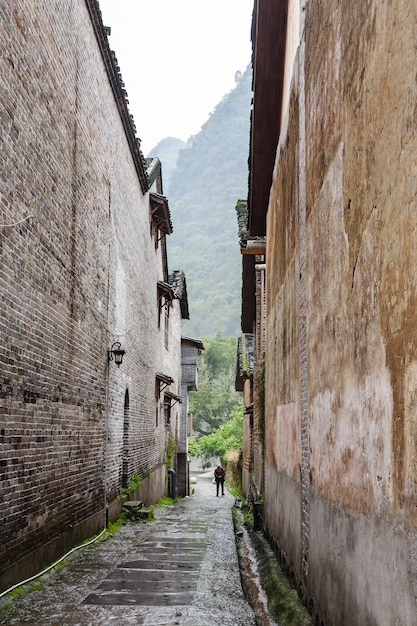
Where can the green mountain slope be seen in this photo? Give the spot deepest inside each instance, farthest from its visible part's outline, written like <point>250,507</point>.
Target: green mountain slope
<point>167,151</point>
<point>211,174</point>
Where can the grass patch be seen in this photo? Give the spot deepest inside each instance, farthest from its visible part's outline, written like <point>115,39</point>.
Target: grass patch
<point>284,603</point>
<point>7,601</point>
<point>134,483</point>
<point>247,517</point>
<point>166,501</point>
<point>113,527</point>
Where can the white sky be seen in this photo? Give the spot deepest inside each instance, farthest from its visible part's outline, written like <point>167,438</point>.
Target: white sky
<point>178,58</point>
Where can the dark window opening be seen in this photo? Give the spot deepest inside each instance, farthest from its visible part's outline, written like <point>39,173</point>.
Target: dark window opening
<point>167,411</point>
<point>125,453</point>
<point>167,307</point>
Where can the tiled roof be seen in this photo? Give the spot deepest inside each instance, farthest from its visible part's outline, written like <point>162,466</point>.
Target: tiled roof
<point>192,343</point>
<point>119,92</point>
<point>160,213</point>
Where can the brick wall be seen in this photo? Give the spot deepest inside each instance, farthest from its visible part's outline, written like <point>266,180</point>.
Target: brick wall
<point>78,271</point>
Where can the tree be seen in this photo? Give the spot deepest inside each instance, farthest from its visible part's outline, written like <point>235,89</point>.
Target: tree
<point>224,439</point>
<point>212,404</point>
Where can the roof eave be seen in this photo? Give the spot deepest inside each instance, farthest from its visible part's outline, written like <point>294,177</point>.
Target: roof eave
<point>268,58</point>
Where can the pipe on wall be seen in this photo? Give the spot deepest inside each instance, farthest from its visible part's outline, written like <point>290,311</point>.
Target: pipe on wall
<point>173,481</point>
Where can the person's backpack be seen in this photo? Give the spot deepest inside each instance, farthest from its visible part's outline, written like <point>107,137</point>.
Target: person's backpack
<point>219,473</point>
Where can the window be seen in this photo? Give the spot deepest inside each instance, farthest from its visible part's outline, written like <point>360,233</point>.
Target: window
<point>167,410</point>
<point>167,307</point>
<point>157,403</point>
<point>169,400</point>
<point>162,381</point>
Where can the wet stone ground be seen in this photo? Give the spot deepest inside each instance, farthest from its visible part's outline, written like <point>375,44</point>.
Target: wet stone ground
<point>181,568</point>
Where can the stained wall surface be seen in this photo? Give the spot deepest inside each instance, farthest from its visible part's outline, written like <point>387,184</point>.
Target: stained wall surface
<point>350,538</point>
<point>79,271</point>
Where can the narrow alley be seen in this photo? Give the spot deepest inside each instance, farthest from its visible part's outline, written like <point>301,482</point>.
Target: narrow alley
<point>181,568</point>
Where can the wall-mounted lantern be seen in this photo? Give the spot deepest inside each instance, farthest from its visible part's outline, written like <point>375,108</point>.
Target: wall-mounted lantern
<point>116,353</point>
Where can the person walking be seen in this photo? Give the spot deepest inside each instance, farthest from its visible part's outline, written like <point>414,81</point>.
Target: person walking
<point>219,474</point>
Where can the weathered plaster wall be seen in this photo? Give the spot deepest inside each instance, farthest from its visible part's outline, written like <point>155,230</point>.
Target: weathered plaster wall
<point>282,509</point>
<point>381,96</point>
<point>361,260</point>
<point>291,46</point>
<point>350,414</point>
<point>362,570</point>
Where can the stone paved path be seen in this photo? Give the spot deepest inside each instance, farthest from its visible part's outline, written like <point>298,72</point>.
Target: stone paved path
<point>179,569</point>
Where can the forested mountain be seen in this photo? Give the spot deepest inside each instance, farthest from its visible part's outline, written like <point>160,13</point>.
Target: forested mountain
<point>167,151</point>
<point>210,175</point>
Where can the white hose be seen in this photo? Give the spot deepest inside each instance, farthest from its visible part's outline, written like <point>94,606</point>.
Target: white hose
<point>28,580</point>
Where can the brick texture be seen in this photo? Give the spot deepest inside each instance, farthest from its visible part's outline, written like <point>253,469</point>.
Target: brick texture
<point>78,271</point>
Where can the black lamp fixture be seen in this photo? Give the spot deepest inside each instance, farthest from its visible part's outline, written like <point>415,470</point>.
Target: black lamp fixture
<point>116,353</point>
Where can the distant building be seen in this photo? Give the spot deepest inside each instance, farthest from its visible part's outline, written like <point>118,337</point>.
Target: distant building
<point>83,278</point>
<point>190,350</point>
<point>330,435</point>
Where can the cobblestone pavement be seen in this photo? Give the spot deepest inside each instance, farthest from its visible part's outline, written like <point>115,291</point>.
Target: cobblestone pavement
<point>181,568</point>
